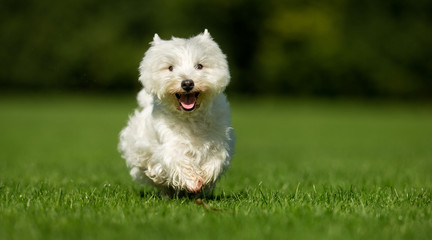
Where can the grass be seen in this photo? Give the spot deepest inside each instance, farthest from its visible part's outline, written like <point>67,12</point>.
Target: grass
<point>302,170</point>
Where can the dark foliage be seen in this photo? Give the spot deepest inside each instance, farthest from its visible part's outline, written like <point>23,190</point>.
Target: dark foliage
<point>326,48</point>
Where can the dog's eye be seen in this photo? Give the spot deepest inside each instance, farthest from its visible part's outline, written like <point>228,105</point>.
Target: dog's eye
<point>199,66</point>
<point>170,68</point>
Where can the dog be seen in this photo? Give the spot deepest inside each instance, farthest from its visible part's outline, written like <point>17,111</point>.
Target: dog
<point>180,138</point>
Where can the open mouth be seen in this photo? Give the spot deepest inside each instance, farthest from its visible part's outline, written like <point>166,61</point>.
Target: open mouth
<point>187,101</point>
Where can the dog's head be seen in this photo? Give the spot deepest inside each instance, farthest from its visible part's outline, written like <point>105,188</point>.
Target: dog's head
<point>184,74</point>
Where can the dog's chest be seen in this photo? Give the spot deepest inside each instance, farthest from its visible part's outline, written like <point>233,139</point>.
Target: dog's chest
<point>196,139</point>
<point>198,133</point>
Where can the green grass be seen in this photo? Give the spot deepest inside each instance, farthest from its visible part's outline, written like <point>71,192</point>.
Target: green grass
<point>302,170</point>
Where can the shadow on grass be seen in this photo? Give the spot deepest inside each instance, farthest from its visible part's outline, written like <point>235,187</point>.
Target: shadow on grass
<point>155,193</point>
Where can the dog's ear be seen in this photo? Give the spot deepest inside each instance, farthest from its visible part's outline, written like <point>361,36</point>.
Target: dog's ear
<point>156,39</point>
<point>206,33</point>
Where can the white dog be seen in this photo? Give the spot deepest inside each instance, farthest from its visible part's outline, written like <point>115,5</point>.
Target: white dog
<point>181,138</point>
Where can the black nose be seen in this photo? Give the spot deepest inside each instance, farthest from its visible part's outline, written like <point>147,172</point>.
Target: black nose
<point>187,85</point>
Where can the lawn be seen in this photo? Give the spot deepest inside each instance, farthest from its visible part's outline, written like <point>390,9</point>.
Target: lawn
<point>303,169</point>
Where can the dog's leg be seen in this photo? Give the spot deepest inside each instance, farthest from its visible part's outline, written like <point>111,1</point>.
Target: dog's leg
<point>187,177</point>
<point>213,168</point>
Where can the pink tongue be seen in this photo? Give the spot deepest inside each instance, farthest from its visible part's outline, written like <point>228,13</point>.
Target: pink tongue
<point>187,101</point>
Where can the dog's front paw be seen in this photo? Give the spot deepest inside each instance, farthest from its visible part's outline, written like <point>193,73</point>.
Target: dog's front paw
<point>195,186</point>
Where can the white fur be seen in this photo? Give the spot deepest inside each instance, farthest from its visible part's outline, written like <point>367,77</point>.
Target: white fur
<point>165,145</point>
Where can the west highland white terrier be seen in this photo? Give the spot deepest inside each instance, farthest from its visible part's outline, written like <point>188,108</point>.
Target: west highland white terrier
<point>180,139</point>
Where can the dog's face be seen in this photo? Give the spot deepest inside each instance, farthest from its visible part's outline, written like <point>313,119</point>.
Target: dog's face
<point>184,74</point>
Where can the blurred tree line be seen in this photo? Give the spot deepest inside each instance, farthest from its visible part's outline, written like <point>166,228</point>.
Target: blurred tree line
<point>299,47</point>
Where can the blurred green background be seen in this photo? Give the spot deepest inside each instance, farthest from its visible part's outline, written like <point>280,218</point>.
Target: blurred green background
<point>297,47</point>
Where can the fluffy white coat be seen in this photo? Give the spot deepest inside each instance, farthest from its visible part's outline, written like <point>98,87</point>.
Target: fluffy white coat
<point>180,139</point>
